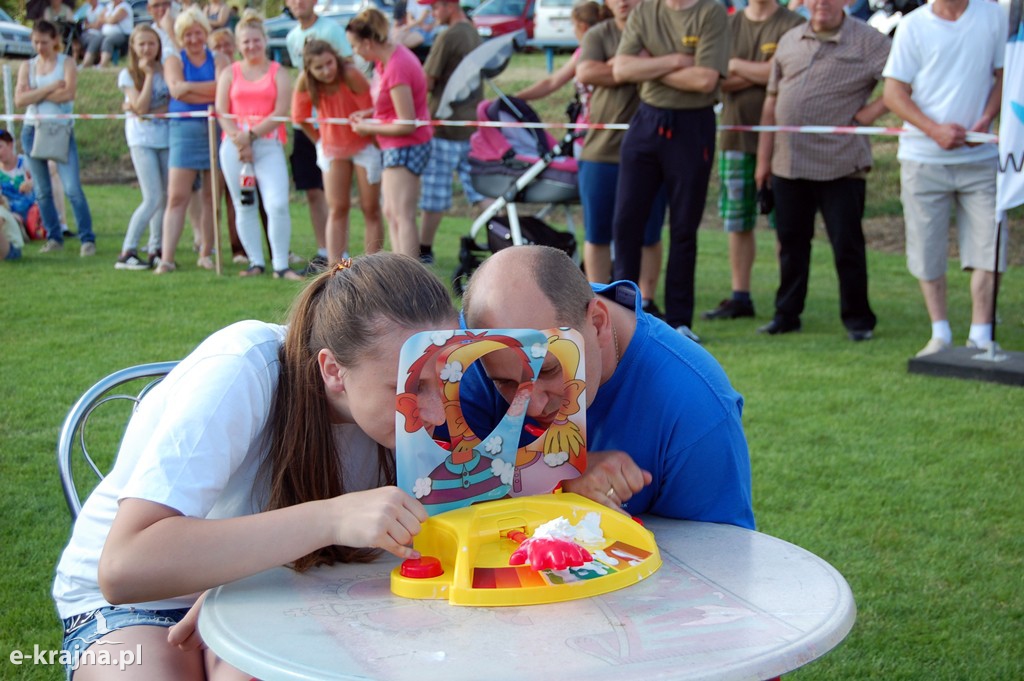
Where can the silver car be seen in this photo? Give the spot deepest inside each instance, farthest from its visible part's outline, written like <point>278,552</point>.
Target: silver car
<point>15,39</point>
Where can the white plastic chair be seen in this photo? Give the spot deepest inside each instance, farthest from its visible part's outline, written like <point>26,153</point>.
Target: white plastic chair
<point>126,385</point>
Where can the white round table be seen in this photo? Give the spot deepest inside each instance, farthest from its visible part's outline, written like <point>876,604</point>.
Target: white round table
<point>728,603</point>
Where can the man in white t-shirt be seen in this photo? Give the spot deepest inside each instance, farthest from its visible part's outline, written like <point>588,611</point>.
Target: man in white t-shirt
<point>163,24</point>
<point>944,79</point>
<point>419,29</point>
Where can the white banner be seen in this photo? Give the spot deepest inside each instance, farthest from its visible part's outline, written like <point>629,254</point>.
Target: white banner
<point>1010,181</point>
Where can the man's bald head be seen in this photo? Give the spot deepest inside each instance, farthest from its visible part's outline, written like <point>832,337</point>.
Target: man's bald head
<point>527,287</point>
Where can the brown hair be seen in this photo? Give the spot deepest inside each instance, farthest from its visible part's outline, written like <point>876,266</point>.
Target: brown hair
<point>590,13</point>
<point>344,311</point>
<point>306,82</point>
<point>370,24</point>
<point>216,33</point>
<point>557,277</point>
<point>137,76</point>
<point>49,29</point>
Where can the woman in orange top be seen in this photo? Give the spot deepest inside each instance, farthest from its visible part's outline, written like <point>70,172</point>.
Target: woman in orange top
<point>337,89</point>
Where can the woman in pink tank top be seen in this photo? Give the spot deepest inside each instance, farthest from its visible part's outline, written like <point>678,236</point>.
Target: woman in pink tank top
<point>250,96</point>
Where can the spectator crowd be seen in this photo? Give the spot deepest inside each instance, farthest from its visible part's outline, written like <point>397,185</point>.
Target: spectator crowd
<point>661,65</point>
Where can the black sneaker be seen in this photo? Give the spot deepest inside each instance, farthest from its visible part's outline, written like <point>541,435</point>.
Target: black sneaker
<point>154,258</point>
<point>130,261</point>
<point>651,308</point>
<point>779,326</point>
<point>730,308</point>
<point>427,258</point>
<point>316,265</point>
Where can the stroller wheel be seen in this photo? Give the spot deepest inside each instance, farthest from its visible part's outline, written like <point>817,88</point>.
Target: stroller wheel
<point>459,279</point>
<point>468,262</point>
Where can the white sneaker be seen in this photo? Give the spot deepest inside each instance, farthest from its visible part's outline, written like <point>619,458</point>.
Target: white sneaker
<point>88,249</point>
<point>686,332</point>
<point>51,246</point>
<point>933,346</point>
<point>974,345</point>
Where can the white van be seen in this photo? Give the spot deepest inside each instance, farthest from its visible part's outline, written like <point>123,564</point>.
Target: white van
<point>553,24</point>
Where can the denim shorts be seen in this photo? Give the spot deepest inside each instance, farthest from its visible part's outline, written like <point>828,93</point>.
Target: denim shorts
<point>598,181</point>
<point>81,631</point>
<point>414,158</point>
<point>189,144</point>
<point>14,253</point>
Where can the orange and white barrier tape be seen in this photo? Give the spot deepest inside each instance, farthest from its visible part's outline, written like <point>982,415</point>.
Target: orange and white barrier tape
<point>875,131</point>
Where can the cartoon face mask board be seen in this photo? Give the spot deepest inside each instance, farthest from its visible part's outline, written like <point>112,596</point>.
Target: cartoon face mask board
<point>482,466</point>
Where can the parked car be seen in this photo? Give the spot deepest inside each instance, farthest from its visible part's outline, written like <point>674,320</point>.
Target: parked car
<point>140,12</point>
<point>553,24</point>
<point>341,11</point>
<point>15,39</point>
<point>500,17</point>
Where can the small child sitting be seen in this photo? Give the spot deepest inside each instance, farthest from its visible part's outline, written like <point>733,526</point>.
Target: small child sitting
<point>17,188</point>
<point>12,239</point>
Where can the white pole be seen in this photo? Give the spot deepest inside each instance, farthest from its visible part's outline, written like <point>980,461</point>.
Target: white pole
<point>9,105</point>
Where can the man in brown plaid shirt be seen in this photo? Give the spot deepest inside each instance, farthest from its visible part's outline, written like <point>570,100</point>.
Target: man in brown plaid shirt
<point>823,74</point>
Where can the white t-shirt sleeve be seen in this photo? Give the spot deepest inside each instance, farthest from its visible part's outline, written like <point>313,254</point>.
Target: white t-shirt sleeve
<point>415,10</point>
<point>293,43</point>
<point>1003,31</point>
<point>904,59</point>
<point>217,412</point>
<point>124,80</point>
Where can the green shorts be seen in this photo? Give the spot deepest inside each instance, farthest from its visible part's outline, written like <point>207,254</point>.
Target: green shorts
<point>737,192</point>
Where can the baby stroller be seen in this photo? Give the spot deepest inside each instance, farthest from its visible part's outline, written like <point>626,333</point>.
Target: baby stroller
<point>511,165</point>
<point>517,165</point>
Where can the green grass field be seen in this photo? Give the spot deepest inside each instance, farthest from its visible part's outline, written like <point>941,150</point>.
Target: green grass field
<point>909,485</point>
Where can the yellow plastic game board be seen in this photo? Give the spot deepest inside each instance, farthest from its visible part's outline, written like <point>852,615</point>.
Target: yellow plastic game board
<point>465,554</point>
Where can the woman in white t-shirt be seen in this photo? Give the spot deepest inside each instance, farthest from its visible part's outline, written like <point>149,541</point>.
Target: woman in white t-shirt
<point>145,92</point>
<point>266,446</point>
<point>115,26</point>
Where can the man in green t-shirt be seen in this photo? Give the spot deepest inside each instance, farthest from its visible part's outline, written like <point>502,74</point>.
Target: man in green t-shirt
<point>611,102</point>
<point>755,32</point>
<point>676,51</point>
<point>449,147</point>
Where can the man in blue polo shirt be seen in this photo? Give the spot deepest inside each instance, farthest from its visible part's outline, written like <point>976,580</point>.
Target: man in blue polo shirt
<point>663,423</point>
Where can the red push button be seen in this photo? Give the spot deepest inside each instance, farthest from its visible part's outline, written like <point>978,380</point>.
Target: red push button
<point>424,567</point>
